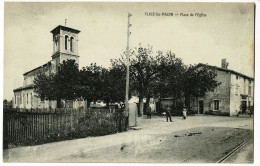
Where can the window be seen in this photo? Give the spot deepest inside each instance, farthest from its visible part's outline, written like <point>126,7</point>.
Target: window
<point>71,44</point>
<point>244,92</point>
<point>66,42</point>
<point>56,40</point>
<point>27,98</point>
<point>217,89</point>
<point>31,99</point>
<point>14,99</point>
<point>237,77</point>
<point>237,87</point>
<point>249,90</point>
<point>216,104</point>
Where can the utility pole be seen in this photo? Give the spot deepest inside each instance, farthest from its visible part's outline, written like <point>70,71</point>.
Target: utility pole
<point>65,22</point>
<point>127,71</point>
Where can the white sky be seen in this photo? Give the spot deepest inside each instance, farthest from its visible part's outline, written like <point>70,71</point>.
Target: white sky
<point>226,32</point>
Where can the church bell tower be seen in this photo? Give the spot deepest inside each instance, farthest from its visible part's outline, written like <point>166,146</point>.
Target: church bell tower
<point>65,44</point>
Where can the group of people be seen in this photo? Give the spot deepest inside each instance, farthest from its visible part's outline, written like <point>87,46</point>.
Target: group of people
<point>168,113</point>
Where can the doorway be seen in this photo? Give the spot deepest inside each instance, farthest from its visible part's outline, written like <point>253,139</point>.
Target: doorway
<point>243,107</point>
<point>201,107</point>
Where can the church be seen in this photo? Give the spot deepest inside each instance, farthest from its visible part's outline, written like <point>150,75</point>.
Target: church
<point>65,46</point>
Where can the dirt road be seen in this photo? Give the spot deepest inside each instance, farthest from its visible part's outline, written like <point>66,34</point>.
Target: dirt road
<point>156,140</point>
<point>243,155</point>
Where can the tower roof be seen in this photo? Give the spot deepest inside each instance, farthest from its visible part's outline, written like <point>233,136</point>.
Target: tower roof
<point>60,27</point>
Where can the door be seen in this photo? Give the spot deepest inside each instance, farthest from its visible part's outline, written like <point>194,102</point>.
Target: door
<point>201,107</point>
<point>243,107</point>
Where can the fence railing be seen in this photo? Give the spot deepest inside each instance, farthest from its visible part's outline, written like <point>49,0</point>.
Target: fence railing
<point>31,128</point>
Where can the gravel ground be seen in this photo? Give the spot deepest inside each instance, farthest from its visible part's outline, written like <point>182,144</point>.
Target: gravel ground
<point>197,145</point>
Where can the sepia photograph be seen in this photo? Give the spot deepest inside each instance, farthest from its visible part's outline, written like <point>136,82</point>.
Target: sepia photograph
<point>128,82</point>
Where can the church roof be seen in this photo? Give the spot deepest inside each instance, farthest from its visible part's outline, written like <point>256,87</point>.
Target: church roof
<point>46,64</point>
<point>60,27</point>
<point>24,87</point>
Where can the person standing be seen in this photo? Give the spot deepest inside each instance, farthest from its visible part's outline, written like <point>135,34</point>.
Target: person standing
<point>149,111</point>
<point>168,113</point>
<point>184,112</point>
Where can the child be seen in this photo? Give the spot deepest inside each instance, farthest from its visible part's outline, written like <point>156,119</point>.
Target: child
<point>184,112</point>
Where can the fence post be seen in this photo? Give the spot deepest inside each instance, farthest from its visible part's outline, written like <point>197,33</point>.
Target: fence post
<point>5,134</point>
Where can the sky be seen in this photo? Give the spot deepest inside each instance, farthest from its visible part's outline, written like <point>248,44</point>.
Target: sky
<point>227,31</point>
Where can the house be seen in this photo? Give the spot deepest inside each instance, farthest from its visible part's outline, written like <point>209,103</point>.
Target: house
<point>65,46</point>
<point>234,94</point>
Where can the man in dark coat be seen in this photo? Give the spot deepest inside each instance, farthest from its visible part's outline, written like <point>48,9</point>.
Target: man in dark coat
<point>149,112</point>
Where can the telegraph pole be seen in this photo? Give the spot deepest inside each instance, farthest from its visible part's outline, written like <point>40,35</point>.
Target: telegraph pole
<point>127,71</point>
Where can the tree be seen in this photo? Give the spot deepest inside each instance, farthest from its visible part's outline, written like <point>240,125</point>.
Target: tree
<point>157,76</point>
<point>143,73</point>
<point>7,105</point>
<point>99,83</point>
<point>169,83</point>
<point>165,76</point>
<point>62,85</point>
<point>44,86</point>
<point>197,81</point>
<point>115,84</point>
<point>152,76</point>
<point>66,81</point>
<point>91,82</point>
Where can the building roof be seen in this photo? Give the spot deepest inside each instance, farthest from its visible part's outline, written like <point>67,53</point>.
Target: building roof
<point>60,27</point>
<point>226,70</point>
<point>31,86</point>
<point>36,68</point>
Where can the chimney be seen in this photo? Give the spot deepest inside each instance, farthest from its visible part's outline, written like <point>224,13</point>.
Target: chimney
<point>224,63</point>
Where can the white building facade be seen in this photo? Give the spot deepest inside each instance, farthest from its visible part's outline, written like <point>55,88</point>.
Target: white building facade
<point>234,94</point>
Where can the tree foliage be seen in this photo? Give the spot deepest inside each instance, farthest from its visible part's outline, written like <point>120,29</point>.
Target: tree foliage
<point>99,83</point>
<point>169,81</point>
<point>67,80</point>
<point>45,87</point>
<point>62,85</point>
<point>158,76</point>
<point>164,75</point>
<point>91,82</point>
<point>197,81</point>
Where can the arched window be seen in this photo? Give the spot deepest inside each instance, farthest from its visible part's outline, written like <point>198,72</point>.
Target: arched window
<point>66,42</point>
<point>71,43</point>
